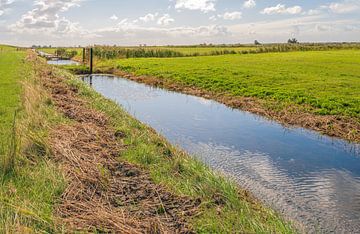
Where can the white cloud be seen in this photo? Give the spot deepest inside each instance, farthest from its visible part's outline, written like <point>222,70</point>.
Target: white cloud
<point>231,15</point>
<point>213,18</point>
<point>202,5</point>
<point>313,12</point>
<point>129,28</point>
<point>344,7</point>
<point>149,17</point>
<point>5,6</point>
<point>4,3</point>
<point>159,19</point>
<point>165,20</point>
<point>323,27</point>
<point>44,18</point>
<point>282,9</point>
<point>114,17</point>
<point>249,4</point>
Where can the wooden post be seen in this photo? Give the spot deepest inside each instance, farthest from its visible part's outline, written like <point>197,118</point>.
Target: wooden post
<point>91,60</point>
<point>83,55</point>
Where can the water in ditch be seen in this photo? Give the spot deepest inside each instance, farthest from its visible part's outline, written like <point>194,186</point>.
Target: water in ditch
<point>309,178</point>
<point>62,62</point>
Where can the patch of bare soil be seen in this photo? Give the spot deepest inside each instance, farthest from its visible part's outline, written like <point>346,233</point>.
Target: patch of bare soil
<point>105,194</point>
<point>335,126</point>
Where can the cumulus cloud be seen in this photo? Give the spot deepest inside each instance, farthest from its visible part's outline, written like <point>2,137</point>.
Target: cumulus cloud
<point>282,9</point>
<point>114,17</point>
<point>4,6</point>
<point>149,17</point>
<point>130,28</point>
<point>249,4</point>
<point>202,5</point>
<point>313,12</point>
<point>165,20</point>
<point>231,15</point>
<point>44,18</point>
<point>344,7</point>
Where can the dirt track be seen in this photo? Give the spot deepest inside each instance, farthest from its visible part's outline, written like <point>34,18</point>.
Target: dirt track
<point>105,194</point>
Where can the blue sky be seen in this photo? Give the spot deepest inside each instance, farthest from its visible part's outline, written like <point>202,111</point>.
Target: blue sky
<point>162,22</point>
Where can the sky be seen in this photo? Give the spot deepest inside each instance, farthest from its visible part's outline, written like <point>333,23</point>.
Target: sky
<point>176,22</point>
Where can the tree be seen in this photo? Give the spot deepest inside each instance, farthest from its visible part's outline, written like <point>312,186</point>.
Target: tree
<point>257,43</point>
<point>71,54</point>
<point>60,52</point>
<point>293,41</point>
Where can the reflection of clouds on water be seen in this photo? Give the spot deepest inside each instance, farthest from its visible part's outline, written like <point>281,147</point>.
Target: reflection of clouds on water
<point>130,93</point>
<point>307,177</point>
<point>62,62</point>
<point>320,199</point>
<point>203,101</point>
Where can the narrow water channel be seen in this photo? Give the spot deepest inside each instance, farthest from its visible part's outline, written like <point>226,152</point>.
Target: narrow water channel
<point>62,62</point>
<point>307,177</point>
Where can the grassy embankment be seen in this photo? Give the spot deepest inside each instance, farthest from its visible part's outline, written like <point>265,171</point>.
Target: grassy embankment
<point>32,188</point>
<point>295,88</point>
<point>30,182</point>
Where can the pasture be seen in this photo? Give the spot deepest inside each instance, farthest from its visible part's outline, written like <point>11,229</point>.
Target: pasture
<point>329,85</point>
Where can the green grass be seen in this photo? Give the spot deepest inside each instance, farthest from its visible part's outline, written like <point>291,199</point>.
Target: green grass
<point>186,176</point>
<point>31,183</point>
<point>326,81</point>
<point>190,50</point>
<point>9,86</point>
<point>52,50</point>
<point>10,89</point>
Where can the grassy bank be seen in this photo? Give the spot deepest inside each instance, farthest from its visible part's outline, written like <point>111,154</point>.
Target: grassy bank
<point>10,89</point>
<point>320,83</point>
<point>30,182</point>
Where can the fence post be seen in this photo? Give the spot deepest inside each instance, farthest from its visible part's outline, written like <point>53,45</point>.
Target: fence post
<point>83,55</point>
<point>91,60</point>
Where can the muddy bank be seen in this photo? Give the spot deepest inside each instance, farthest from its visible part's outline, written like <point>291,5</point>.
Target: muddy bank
<point>292,116</point>
<point>105,194</point>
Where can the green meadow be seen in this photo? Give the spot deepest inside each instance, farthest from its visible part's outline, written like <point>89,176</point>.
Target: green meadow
<point>325,82</point>
<point>191,50</point>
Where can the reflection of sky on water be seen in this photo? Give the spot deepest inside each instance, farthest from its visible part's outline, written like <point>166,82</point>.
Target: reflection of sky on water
<point>62,62</point>
<point>314,179</point>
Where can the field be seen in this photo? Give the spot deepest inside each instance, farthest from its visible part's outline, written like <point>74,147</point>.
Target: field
<point>67,52</point>
<point>52,50</point>
<point>201,51</point>
<point>121,52</point>
<point>329,86</point>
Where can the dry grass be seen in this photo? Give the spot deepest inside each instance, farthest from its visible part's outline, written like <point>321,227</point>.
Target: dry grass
<point>104,194</point>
